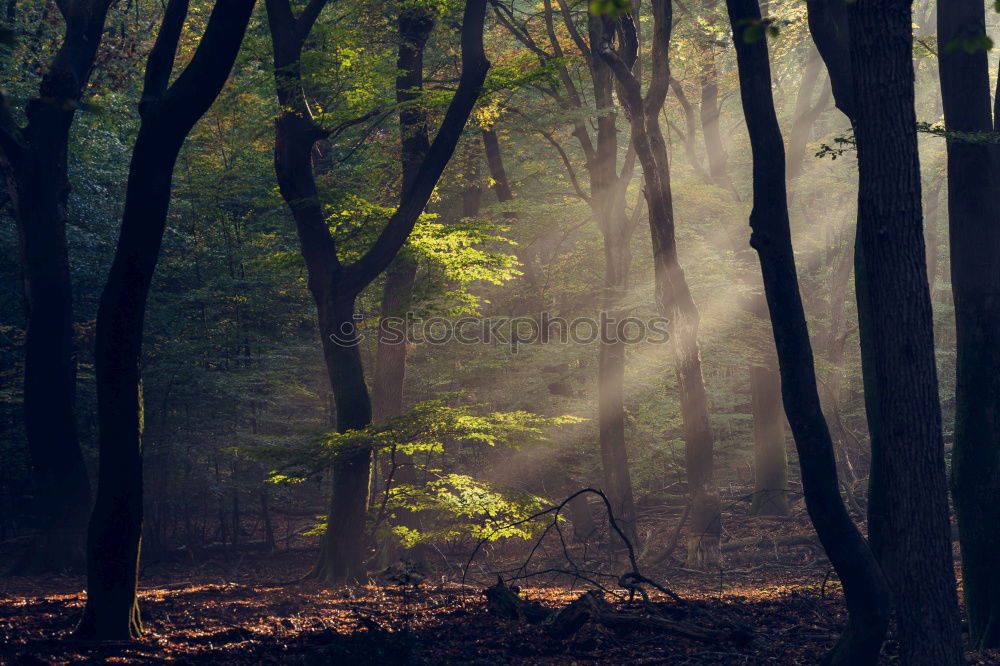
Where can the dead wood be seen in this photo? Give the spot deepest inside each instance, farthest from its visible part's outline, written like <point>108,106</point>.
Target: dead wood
<point>770,542</point>
<point>505,602</point>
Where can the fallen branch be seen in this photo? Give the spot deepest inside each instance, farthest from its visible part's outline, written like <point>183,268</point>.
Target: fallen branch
<point>505,602</point>
<point>810,540</point>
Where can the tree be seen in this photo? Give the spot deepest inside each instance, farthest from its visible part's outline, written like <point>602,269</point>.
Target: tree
<point>168,111</point>
<point>33,159</point>
<point>770,461</point>
<point>607,201</point>
<point>974,219</point>
<point>906,404</point>
<point>334,285</point>
<point>672,292</point>
<point>864,586</point>
<point>710,109</point>
<point>415,26</point>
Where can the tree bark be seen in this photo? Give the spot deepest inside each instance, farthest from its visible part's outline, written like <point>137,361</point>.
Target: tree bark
<point>168,115</point>
<point>906,404</point>
<point>974,224</point>
<point>33,159</point>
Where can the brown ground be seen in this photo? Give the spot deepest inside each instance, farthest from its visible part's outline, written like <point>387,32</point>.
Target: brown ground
<point>239,611</point>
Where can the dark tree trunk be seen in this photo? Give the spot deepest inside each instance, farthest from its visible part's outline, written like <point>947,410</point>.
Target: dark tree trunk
<point>910,455</point>
<point>504,193</point>
<point>828,24</point>
<point>34,163</point>
<point>415,26</point>
<point>168,115</point>
<point>770,459</point>
<point>494,162</point>
<point>974,224</point>
<point>343,548</point>
<point>335,286</point>
<point>864,586</point>
<point>672,292</point>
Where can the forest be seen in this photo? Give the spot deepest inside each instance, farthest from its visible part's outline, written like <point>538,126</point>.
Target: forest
<point>499,332</point>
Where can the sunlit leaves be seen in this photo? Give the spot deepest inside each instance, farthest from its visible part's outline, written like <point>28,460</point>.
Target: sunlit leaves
<point>458,506</point>
<point>429,427</point>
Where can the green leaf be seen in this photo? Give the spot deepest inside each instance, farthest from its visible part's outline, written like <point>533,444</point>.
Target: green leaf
<point>612,8</point>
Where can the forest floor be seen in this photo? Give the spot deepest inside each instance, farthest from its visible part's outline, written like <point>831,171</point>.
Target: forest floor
<point>242,610</point>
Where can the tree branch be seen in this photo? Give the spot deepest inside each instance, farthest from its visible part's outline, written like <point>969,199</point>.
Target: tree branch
<point>474,67</point>
<point>160,62</point>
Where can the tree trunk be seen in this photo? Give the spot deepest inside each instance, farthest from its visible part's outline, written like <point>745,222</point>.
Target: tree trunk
<point>710,111</point>
<point>34,163</point>
<point>911,453</point>
<point>672,292</point>
<point>607,202</point>
<point>974,222</point>
<point>415,26</point>
<point>335,286</point>
<point>864,586</point>
<point>390,357</point>
<point>168,114</point>
<point>61,484</point>
<point>770,492</point>
<point>343,547</point>
<point>806,114</point>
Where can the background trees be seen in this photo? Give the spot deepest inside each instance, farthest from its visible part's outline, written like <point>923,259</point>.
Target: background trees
<point>345,97</point>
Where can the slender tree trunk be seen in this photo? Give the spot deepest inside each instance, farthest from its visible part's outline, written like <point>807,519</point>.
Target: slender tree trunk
<point>974,225</point>
<point>607,202</point>
<point>806,113</point>
<point>168,115</point>
<point>672,291</point>
<point>61,484</point>
<point>864,586</point>
<point>835,345</point>
<point>34,163</point>
<point>390,357</point>
<point>710,110</point>
<point>770,492</point>
<point>415,26</point>
<point>932,207</point>
<point>911,453</point>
